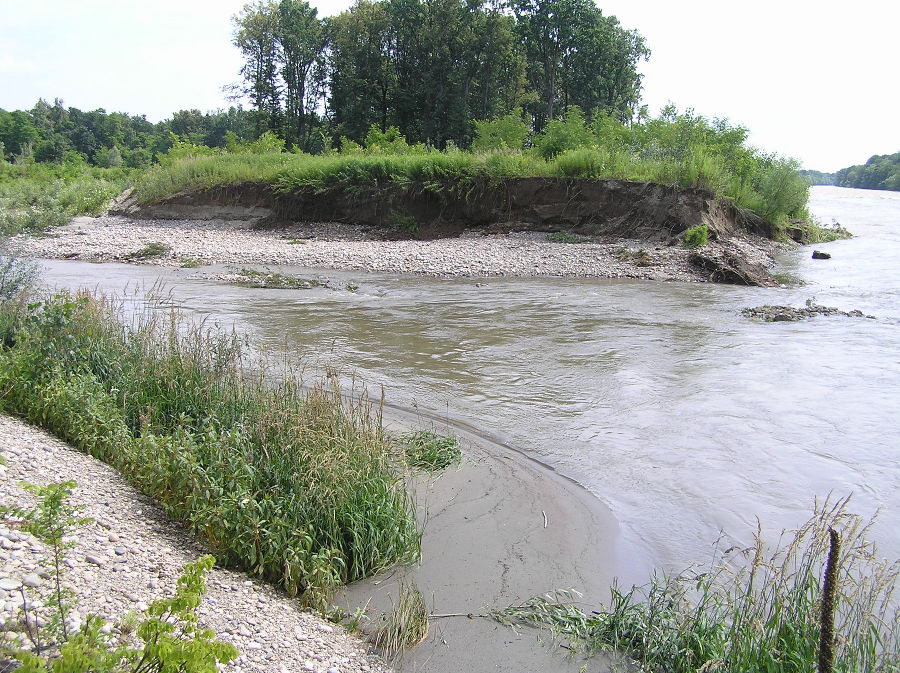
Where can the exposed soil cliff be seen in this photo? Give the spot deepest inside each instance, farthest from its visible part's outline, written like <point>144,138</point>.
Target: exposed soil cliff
<point>602,208</point>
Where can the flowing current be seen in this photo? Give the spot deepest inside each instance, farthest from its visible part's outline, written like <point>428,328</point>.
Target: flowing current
<point>685,418</point>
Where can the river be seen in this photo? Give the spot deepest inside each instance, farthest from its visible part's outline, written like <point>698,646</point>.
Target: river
<point>687,420</point>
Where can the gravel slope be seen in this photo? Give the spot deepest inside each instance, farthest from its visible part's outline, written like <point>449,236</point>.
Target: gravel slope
<point>132,554</point>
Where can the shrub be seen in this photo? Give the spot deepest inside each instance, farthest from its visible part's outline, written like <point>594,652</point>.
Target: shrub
<point>508,132</point>
<point>696,237</point>
<point>569,133</point>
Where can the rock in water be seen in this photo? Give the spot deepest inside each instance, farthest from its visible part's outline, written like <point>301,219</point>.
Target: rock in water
<point>817,254</point>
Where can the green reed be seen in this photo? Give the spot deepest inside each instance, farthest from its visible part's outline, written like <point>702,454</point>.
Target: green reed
<point>755,609</point>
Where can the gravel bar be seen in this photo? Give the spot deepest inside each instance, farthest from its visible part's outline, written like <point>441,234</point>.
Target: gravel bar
<point>348,247</point>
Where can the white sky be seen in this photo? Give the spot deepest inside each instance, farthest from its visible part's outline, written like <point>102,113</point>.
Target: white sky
<point>813,80</point>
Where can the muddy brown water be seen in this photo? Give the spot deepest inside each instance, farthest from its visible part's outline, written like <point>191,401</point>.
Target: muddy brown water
<point>684,418</point>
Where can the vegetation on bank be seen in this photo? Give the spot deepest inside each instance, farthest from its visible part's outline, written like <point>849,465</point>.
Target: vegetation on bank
<point>675,149</point>
<point>757,609</point>
<point>37,197</point>
<point>881,171</point>
<point>301,487</point>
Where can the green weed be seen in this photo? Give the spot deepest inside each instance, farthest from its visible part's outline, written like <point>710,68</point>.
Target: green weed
<point>152,250</point>
<point>170,637</point>
<point>405,626</point>
<point>299,486</point>
<point>696,237</point>
<point>426,450</point>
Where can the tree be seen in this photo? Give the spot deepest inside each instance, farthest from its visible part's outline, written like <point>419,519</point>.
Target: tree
<point>363,76</point>
<point>576,55</point>
<point>256,29</point>
<point>301,39</point>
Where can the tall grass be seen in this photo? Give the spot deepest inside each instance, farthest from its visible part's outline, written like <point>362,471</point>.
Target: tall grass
<point>36,197</point>
<point>775,190</point>
<point>298,486</point>
<point>757,612</point>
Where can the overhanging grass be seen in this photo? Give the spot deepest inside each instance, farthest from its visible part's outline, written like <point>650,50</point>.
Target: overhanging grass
<point>300,487</point>
<point>773,189</point>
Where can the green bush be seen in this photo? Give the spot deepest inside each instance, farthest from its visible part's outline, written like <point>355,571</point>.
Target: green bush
<point>502,133</point>
<point>36,197</point>
<point>696,237</point>
<point>561,135</point>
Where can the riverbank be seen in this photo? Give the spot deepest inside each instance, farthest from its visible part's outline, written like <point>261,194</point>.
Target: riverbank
<point>132,553</point>
<point>498,529</point>
<point>355,248</point>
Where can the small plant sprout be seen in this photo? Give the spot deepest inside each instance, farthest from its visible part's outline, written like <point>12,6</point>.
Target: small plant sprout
<point>169,638</point>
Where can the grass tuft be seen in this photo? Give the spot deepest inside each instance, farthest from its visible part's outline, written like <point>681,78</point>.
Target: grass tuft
<point>426,450</point>
<point>406,625</point>
<point>756,609</point>
<point>153,250</point>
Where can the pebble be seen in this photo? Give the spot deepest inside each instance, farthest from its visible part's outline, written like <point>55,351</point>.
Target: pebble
<point>32,580</point>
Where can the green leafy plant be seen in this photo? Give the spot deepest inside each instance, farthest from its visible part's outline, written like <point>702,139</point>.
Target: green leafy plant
<point>169,638</point>
<point>52,521</point>
<point>696,237</point>
<point>403,223</point>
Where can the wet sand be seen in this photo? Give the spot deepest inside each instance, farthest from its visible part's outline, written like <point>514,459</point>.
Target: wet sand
<point>500,529</point>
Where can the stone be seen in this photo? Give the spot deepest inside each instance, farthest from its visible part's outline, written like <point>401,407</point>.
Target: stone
<point>818,254</point>
<point>95,560</point>
<point>31,580</point>
<point>9,584</point>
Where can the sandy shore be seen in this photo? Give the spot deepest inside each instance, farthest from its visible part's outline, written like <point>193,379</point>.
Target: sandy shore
<point>499,529</point>
<point>336,246</point>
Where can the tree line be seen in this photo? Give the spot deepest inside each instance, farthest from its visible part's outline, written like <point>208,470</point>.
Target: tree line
<point>430,68</point>
<point>54,133</point>
<point>881,171</point>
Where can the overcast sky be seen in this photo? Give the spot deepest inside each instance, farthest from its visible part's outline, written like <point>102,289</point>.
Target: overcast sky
<point>813,80</point>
